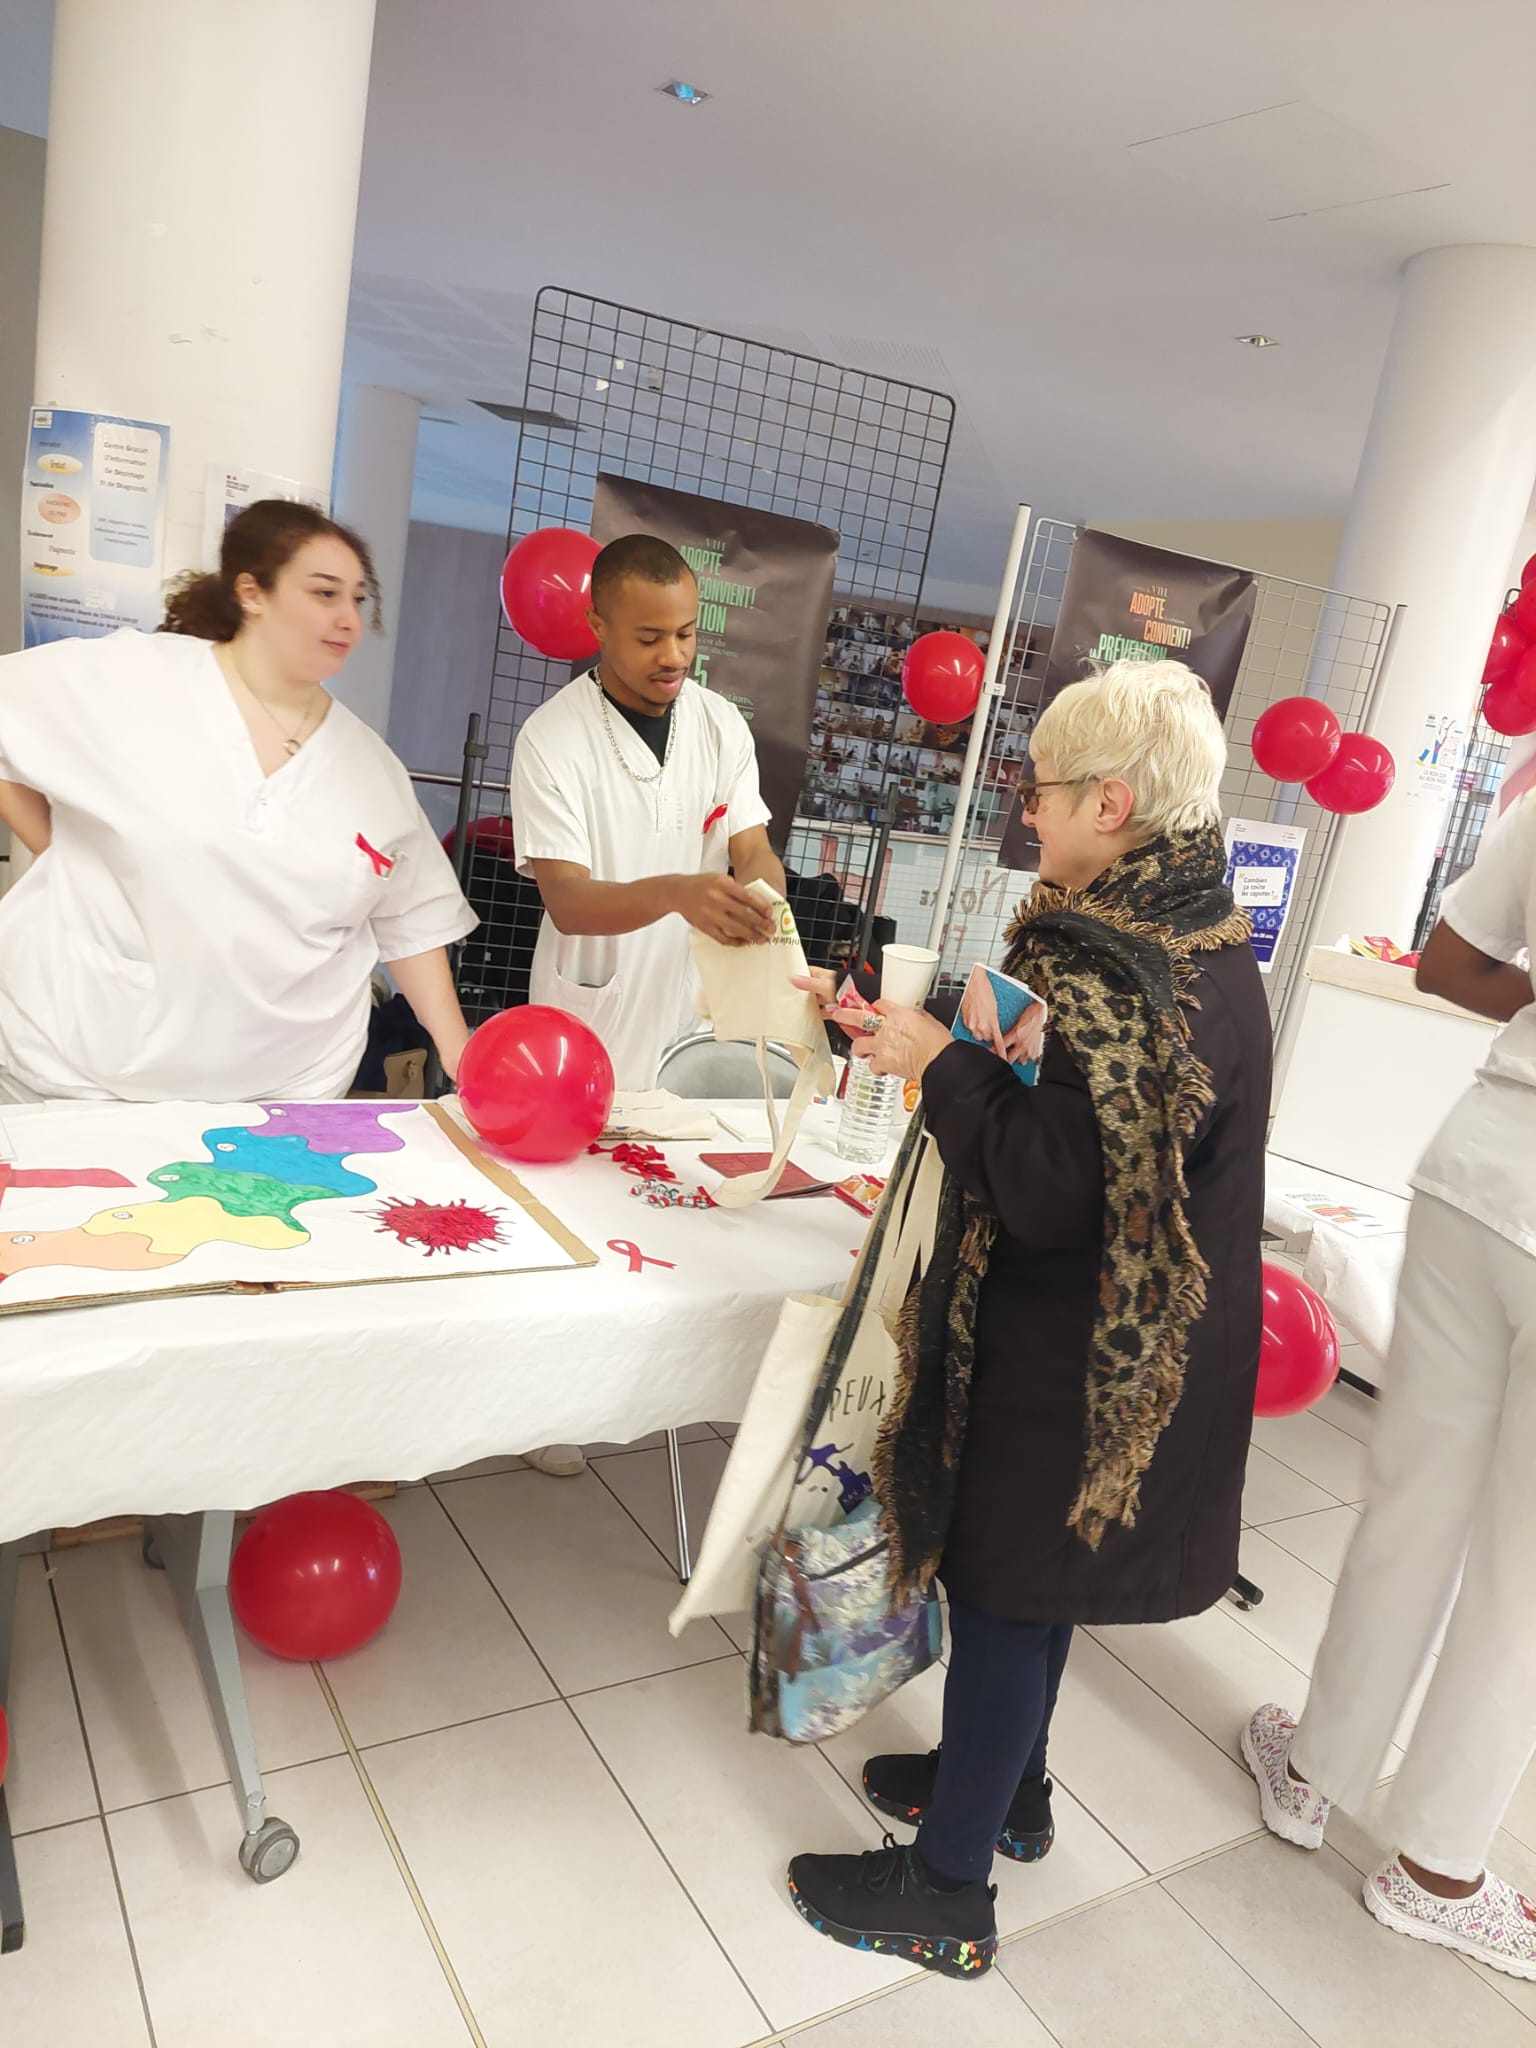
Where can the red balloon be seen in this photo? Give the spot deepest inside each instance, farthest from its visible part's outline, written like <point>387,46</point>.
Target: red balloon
<point>1358,778</point>
<point>315,1575</point>
<point>536,1083</point>
<point>1528,573</point>
<point>1296,739</point>
<point>1508,710</point>
<point>1299,1358</point>
<point>942,677</point>
<point>1522,613</point>
<point>1505,651</point>
<point>1525,677</point>
<point>546,588</point>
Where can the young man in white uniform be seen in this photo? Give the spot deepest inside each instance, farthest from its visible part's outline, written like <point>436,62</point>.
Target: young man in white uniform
<point>635,807</point>
<point>1453,1484</point>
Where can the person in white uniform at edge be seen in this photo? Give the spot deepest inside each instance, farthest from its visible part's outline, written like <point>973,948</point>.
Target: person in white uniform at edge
<point>1451,1491</point>
<point>636,809</point>
<point>222,853</point>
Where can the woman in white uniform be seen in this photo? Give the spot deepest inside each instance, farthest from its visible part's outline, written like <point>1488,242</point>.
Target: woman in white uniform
<point>635,807</point>
<point>222,854</point>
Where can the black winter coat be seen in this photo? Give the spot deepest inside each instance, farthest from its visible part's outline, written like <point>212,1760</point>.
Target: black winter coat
<point>1033,1156</point>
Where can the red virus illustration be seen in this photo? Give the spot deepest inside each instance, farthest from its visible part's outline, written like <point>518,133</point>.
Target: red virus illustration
<point>440,1226</point>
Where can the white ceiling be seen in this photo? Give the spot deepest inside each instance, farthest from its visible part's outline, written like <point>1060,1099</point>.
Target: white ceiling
<point>1061,214</point>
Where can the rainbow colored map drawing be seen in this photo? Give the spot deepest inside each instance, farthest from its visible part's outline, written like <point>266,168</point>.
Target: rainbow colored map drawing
<point>113,1198</point>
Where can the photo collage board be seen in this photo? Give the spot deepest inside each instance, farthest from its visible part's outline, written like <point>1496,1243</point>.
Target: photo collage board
<point>866,736</point>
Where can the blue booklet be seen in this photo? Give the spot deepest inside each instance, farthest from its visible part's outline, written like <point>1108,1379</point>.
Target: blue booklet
<point>1002,1014</point>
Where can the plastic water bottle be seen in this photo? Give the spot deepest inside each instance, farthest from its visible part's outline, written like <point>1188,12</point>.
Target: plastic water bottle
<point>869,1103</point>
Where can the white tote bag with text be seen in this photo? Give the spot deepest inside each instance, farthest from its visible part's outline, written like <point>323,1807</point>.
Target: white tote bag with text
<point>760,1475</point>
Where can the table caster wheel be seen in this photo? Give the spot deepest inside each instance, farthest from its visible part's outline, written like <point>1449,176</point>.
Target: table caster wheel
<point>269,1852</point>
<point>149,1551</point>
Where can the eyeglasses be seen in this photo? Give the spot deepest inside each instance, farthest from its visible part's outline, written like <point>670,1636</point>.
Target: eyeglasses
<point>1029,792</point>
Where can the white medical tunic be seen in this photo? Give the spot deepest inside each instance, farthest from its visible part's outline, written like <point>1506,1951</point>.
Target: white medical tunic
<point>196,930</point>
<point>574,799</point>
<point>1483,1160</point>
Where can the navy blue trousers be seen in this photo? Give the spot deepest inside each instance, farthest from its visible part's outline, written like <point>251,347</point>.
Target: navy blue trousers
<point>999,1696</point>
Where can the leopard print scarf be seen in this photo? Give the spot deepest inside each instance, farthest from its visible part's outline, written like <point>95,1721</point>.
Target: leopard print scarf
<point>1114,963</point>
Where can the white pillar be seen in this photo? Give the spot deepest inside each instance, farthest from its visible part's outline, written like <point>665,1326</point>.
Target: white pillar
<point>375,475</point>
<point>1444,486</point>
<point>197,229</point>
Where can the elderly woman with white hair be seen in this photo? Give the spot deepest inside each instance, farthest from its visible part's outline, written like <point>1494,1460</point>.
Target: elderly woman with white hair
<point>1078,1364</point>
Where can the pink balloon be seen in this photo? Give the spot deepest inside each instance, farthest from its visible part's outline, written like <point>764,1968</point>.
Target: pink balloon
<point>536,1083</point>
<point>1299,1357</point>
<point>1358,778</point>
<point>546,589</point>
<point>942,677</point>
<point>1296,739</point>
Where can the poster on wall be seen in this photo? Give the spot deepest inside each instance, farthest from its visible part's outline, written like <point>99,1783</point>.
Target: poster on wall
<point>765,595</point>
<point>1263,862</point>
<point>1434,773</point>
<point>92,525</point>
<point>1124,601</point>
<point>229,491</point>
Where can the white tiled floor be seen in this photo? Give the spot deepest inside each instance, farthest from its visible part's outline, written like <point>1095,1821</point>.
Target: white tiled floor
<point>535,1818</point>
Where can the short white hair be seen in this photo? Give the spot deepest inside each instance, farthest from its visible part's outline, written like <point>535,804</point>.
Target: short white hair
<point>1150,724</point>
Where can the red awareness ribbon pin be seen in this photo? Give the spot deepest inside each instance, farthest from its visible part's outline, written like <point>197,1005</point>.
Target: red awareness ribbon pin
<point>714,818</point>
<point>381,861</point>
<point>636,1257</point>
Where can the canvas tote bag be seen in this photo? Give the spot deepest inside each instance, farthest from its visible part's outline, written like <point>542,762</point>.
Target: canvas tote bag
<point>765,1469</point>
<point>748,994</point>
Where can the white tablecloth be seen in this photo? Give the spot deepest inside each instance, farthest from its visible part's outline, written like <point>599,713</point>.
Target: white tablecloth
<point>1356,1276</point>
<point>177,1405</point>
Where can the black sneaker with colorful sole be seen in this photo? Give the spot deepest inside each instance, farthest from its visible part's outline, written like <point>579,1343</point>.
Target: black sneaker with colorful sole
<point>901,1787</point>
<point>884,1902</point>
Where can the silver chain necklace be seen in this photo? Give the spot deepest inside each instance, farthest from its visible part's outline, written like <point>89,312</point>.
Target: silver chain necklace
<point>292,741</point>
<point>613,738</point>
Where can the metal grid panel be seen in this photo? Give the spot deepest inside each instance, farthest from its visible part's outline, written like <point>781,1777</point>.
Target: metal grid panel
<point>614,389</point>
<point>1302,641</point>
<point>1475,802</point>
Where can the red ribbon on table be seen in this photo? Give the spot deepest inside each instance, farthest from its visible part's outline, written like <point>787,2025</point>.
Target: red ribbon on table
<point>636,1257</point>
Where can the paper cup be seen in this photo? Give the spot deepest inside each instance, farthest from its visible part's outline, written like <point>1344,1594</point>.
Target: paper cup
<point>906,975</point>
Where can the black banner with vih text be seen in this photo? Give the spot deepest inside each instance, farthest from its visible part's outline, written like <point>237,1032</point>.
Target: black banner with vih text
<point>1125,601</point>
<point>765,592</point>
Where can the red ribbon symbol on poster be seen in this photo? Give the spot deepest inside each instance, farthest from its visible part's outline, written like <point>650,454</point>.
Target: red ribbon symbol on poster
<point>636,1257</point>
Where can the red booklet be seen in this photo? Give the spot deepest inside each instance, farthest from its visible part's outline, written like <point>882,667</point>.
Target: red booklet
<point>794,1181</point>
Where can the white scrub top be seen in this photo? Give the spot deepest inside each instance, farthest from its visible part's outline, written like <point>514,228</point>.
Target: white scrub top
<point>1483,1161</point>
<point>573,800</point>
<point>197,931</point>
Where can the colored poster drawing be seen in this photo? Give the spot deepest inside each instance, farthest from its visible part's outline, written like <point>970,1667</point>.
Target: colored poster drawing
<point>258,1191</point>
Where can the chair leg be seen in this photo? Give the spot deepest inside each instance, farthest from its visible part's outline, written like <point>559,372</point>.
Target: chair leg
<point>679,1508</point>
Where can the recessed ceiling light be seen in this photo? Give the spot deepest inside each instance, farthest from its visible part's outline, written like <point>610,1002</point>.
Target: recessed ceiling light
<point>686,95</point>
<point>600,384</point>
<point>1259,340</point>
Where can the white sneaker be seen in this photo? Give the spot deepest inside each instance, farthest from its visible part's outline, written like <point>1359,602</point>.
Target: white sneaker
<point>1497,1925</point>
<point>1293,1812</point>
<point>560,1461</point>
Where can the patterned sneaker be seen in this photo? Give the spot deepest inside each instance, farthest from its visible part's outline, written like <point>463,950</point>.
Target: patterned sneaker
<point>901,1787</point>
<point>1294,1812</point>
<point>883,1902</point>
<point>1497,1925</point>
